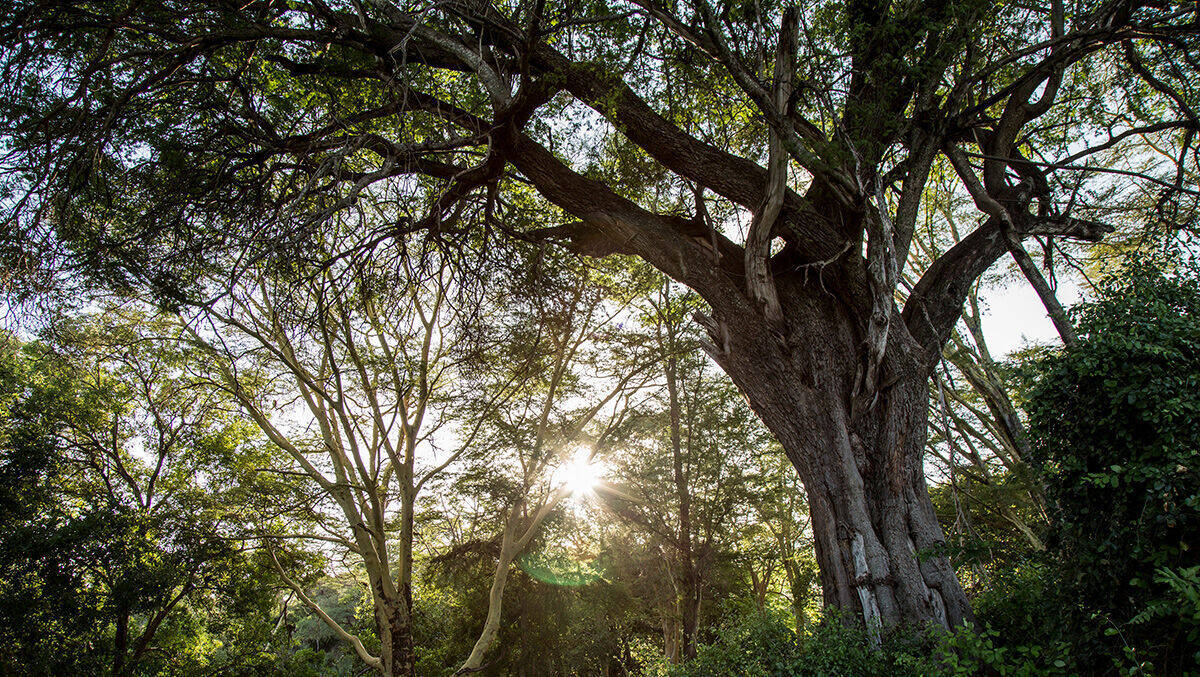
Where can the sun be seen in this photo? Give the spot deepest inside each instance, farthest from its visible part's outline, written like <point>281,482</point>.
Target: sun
<point>580,474</point>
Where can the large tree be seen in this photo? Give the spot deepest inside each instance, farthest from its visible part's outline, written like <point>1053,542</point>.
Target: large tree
<point>142,136</point>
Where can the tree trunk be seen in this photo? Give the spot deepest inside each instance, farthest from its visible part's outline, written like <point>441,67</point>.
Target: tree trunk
<point>690,611</point>
<point>397,654</point>
<point>394,619</point>
<point>672,638</point>
<point>120,642</point>
<point>689,598</point>
<point>491,624</point>
<point>858,451</point>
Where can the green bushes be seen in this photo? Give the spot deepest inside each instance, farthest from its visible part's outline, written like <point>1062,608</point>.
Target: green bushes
<point>1179,604</point>
<point>1114,429</point>
<point>758,645</point>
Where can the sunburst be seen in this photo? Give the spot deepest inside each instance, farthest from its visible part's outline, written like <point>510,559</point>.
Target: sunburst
<point>580,474</point>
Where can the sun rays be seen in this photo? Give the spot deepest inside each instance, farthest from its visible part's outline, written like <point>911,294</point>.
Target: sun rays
<point>580,474</point>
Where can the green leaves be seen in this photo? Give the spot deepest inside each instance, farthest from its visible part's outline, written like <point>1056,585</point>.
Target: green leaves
<point>1114,430</point>
<point>123,545</point>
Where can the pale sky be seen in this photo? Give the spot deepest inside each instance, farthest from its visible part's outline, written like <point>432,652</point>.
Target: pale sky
<point>1014,316</point>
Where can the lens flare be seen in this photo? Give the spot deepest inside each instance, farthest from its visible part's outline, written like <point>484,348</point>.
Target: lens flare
<point>580,474</point>
<point>559,569</point>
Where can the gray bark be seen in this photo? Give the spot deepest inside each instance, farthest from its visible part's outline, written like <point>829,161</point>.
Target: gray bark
<point>861,465</point>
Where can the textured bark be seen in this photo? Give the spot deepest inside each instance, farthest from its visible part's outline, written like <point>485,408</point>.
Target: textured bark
<point>861,465</point>
<point>857,444</point>
<point>394,621</point>
<point>394,616</point>
<point>671,638</point>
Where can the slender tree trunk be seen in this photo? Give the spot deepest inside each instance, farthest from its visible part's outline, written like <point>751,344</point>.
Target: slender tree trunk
<point>120,643</point>
<point>798,611</point>
<point>859,456</point>
<point>491,625</point>
<point>689,599</point>
<point>394,620</point>
<point>509,549</point>
<point>761,586</point>
<point>690,604</point>
<point>397,653</point>
<point>671,639</point>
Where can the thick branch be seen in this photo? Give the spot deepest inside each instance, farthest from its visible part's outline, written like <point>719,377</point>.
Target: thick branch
<point>341,632</point>
<point>1057,315</point>
<point>735,178</point>
<point>758,240</point>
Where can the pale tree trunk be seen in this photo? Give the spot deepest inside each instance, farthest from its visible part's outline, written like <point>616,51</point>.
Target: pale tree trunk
<point>518,532</point>
<point>672,638</point>
<point>491,624</point>
<point>524,520</point>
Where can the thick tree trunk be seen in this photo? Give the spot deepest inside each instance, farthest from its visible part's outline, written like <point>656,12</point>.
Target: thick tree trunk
<point>858,451</point>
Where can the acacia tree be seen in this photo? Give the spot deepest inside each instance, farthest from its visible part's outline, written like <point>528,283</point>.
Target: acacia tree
<point>141,136</point>
<point>553,333</point>
<point>351,373</point>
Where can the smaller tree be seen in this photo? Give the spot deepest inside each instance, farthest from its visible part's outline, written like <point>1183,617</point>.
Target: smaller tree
<point>123,550</point>
<point>553,331</point>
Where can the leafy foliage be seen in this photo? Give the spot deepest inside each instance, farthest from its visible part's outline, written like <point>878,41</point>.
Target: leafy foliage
<point>119,553</point>
<point>759,645</point>
<point>1113,429</point>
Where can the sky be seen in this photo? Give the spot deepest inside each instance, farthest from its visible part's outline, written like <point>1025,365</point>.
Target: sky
<point>1015,318</point>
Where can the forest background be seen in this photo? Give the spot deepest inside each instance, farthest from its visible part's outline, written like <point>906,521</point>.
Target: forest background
<point>598,338</point>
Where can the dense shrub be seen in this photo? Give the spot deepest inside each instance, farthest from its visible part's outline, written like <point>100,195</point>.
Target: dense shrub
<point>1114,429</point>
<point>760,645</point>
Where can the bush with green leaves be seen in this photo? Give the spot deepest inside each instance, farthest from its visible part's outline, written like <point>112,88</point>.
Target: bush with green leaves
<point>1115,427</point>
<point>762,645</point>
